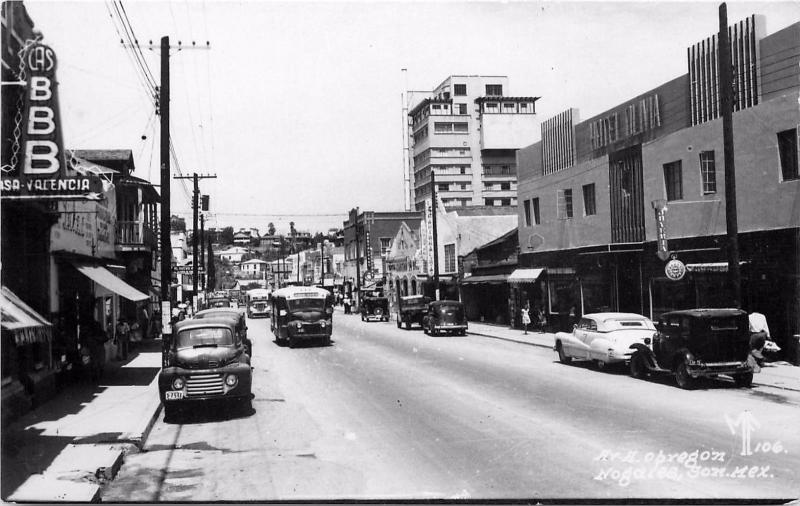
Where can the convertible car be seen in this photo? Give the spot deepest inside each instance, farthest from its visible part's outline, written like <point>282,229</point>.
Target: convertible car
<point>605,338</point>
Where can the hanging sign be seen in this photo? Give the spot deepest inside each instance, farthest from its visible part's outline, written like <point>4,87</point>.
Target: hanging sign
<point>41,170</point>
<point>368,252</point>
<point>428,243</point>
<point>675,270</point>
<point>660,207</point>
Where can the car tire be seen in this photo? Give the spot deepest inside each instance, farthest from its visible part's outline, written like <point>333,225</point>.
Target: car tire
<point>743,380</point>
<point>408,325</point>
<point>638,366</point>
<point>562,355</point>
<point>399,323</point>
<point>362,317</point>
<point>682,376</point>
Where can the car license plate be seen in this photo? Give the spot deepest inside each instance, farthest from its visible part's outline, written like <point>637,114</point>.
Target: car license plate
<point>174,395</point>
<point>449,323</point>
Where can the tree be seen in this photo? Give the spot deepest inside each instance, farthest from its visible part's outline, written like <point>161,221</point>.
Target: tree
<point>271,228</point>
<point>293,233</point>
<point>211,275</point>
<point>226,237</point>
<point>177,224</point>
<point>318,238</point>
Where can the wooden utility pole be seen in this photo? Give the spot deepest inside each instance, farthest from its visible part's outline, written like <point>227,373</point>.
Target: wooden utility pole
<point>195,211</point>
<point>726,104</point>
<point>356,296</point>
<point>435,237</point>
<point>202,250</point>
<point>166,245</point>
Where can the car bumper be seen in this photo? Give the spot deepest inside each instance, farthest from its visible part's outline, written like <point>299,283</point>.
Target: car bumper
<point>204,384</point>
<point>308,334</point>
<point>258,314</point>
<point>450,327</point>
<point>714,368</point>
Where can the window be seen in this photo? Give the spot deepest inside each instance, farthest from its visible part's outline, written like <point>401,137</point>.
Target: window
<point>449,257</point>
<point>673,180</point>
<point>488,202</point>
<point>787,150</point>
<point>508,108</point>
<point>488,186</point>
<point>491,107</point>
<point>565,204</point>
<point>443,187</point>
<point>459,90</point>
<point>588,200</point>
<point>460,127</point>
<point>526,204</point>
<point>505,186</point>
<point>535,205</point>
<point>494,90</point>
<point>462,108</point>
<point>708,172</point>
<point>463,186</point>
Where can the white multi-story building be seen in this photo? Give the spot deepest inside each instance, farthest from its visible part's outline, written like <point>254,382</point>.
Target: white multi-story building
<point>468,131</point>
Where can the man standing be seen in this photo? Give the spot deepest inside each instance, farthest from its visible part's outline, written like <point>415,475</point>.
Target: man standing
<point>123,339</point>
<point>94,338</point>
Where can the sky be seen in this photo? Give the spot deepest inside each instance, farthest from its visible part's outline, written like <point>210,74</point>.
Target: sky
<point>296,107</point>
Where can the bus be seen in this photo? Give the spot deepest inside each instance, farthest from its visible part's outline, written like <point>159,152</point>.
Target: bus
<point>257,301</point>
<point>302,313</point>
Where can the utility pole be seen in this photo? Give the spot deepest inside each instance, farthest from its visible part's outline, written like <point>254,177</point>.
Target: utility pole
<point>166,245</point>
<point>726,103</point>
<point>358,264</point>
<point>322,262</point>
<point>435,238</point>
<point>195,211</point>
<point>203,250</point>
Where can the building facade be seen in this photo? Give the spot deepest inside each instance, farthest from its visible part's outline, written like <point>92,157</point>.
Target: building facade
<point>468,131</point>
<point>606,202</point>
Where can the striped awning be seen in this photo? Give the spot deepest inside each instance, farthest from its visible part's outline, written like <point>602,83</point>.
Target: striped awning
<point>489,279</point>
<point>26,325</point>
<point>525,275</point>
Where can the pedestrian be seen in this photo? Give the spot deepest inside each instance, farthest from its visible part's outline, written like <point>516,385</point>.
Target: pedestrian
<point>526,317</point>
<point>573,318</point>
<point>123,339</point>
<point>541,319</point>
<point>346,304</point>
<point>759,335</point>
<point>95,338</point>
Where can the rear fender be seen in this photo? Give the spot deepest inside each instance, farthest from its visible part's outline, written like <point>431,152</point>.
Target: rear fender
<point>649,356</point>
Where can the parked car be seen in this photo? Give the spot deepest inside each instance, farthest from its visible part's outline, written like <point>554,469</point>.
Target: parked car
<point>411,309</point>
<point>206,361</point>
<point>697,343</point>
<point>605,338</point>
<point>445,316</point>
<point>376,308</point>
<point>218,301</point>
<point>237,315</point>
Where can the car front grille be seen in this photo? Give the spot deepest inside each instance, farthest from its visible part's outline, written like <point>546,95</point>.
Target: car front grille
<point>199,385</point>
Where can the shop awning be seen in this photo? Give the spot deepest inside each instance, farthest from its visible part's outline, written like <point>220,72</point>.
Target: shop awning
<point>710,267</point>
<point>25,324</point>
<point>489,279</point>
<point>109,281</point>
<point>525,275</point>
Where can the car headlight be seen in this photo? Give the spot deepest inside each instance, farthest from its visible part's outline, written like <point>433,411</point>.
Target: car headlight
<point>299,324</point>
<point>611,352</point>
<point>322,324</point>
<point>177,384</point>
<point>231,380</point>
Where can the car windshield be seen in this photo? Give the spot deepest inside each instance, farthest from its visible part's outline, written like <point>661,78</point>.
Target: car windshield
<point>723,324</point>
<point>309,304</point>
<point>202,337</point>
<point>445,308</point>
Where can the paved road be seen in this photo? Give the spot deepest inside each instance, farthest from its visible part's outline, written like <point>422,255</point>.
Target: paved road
<point>385,413</point>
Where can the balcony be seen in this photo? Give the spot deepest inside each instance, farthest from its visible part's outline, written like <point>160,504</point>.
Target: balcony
<point>135,236</point>
<point>499,171</point>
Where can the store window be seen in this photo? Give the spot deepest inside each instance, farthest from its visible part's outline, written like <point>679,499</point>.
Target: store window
<point>673,180</point>
<point>787,150</point>
<point>708,172</point>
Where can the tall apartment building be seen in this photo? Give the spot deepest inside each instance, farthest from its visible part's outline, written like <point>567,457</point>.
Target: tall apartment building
<point>468,132</point>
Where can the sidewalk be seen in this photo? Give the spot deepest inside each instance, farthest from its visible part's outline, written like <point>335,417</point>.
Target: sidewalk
<point>63,450</point>
<point>774,374</point>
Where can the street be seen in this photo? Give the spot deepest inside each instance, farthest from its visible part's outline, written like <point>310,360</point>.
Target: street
<point>385,413</point>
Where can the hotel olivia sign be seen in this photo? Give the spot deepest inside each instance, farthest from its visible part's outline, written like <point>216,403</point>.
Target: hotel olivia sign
<point>41,171</point>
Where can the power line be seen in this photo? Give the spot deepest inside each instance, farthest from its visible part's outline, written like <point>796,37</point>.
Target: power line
<point>279,215</point>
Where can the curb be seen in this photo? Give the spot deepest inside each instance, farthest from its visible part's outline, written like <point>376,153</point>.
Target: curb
<point>146,433</point>
<point>755,383</point>
<point>510,340</point>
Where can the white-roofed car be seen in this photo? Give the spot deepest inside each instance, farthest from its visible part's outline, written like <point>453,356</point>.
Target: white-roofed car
<point>604,338</point>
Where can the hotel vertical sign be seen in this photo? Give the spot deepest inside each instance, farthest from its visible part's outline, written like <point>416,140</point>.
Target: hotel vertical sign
<point>660,207</point>
<point>41,170</point>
